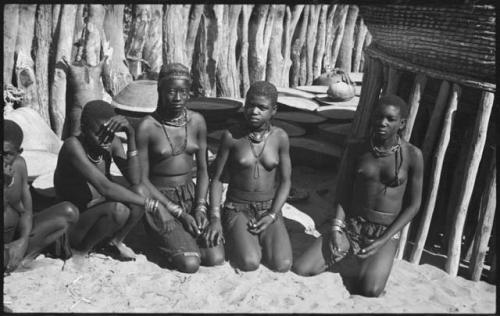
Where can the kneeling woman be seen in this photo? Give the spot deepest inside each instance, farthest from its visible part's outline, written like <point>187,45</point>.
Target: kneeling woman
<point>108,210</point>
<point>254,156</point>
<point>370,211</point>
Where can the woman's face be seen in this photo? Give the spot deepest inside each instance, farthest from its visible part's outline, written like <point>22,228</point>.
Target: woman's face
<point>259,110</point>
<point>94,134</point>
<point>173,94</point>
<point>387,121</point>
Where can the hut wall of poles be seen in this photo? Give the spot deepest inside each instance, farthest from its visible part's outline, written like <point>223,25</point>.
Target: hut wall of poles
<point>227,47</point>
<point>452,119</point>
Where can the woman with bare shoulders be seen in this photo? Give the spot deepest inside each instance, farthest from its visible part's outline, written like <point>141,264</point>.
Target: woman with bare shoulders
<point>370,209</point>
<point>168,141</point>
<point>255,158</point>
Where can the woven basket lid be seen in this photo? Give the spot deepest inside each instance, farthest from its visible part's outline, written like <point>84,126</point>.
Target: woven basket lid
<point>298,103</point>
<point>137,96</point>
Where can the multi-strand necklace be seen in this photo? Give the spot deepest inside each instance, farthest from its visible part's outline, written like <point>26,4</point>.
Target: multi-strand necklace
<point>178,121</point>
<point>256,137</point>
<point>384,152</point>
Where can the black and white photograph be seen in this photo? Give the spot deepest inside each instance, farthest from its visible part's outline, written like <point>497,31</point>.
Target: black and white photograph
<point>198,157</point>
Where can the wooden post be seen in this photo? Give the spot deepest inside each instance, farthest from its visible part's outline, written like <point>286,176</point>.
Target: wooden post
<point>152,51</point>
<point>192,30</point>
<point>291,20</point>
<point>345,55</point>
<point>319,48</point>
<point>358,48</point>
<point>201,81</point>
<point>213,27</point>
<point>485,222</point>
<point>117,75</point>
<point>58,90</point>
<point>94,34</point>
<point>245,77</point>
<point>393,81</point>
<point>330,34</point>
<point>227,78</point>
<point>43,38</point>
<point>174,32</point>
<point>312,30</point>
<point>259,38</point>
<point>435,121</point>
<point>139,29</point>
<point>435,174</point>
<point>467,182</point>
<point>368,40</point>
<point>372,83</point>
<point>297,45</point>
<point>339,35</point>
<point>413,105</point>
<point>275,58</point>
<point>10,28</point>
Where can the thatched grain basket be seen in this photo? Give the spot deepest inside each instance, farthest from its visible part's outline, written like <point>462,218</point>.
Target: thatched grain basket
<point>459,39</point>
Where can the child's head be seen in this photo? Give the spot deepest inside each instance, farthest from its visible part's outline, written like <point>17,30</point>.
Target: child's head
<point>94,115</point>
<point>389,116</point>
<point>13,138</point>
<point>260,103</point>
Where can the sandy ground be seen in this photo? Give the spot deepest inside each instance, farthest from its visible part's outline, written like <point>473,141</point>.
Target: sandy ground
<point>101,284</point>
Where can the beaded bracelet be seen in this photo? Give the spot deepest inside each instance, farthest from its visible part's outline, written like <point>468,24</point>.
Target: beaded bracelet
<point>338,222</point>
<point>215,212</point>
<point>337,228</point>
<point>201,208</point>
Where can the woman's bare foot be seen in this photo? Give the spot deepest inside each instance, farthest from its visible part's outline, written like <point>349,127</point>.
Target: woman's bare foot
<point>125,252</point>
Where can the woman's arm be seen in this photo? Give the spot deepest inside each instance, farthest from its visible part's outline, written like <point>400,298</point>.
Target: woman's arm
<point>216,183</point>
<point>201,171</point>
<point>127,163</point>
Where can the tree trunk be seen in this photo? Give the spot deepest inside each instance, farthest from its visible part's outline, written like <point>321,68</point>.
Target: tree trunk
<point>319,49</point>
<point>94,34</point>
<point>175,27</point>
<point>152,52</point>
<point>330,35</point>
<point>467,181</point>
<point>193,25</point>
<point>312,30</point>
<point>201,81</point>
<point>117,76</point>
<point>339,35</point>
<point>10,29</point>
<point>139,30</point>
<point>261,23</point>
<point>292,18</point>
<point>245,76</point>
<point>226,76</point>
<point>345,55</point>
<point>58,89</point>
<point>25,70</point>
<point>43,29</point>
<point>358,48</point>
<point>297,46</point>
<point>274,57</point>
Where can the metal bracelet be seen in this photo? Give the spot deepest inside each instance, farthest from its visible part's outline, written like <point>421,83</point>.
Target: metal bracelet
<point>337,228</point>
<point>272,215</point>
<point>338,222</point>
<point>132,153</point>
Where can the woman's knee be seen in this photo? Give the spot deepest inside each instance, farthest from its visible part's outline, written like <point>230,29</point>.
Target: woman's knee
<point>215,258</point>
<point>281,265</point>
<point>70,212</point>
<point>119,213</point>
<point>248,263</point>
<point>188,264</point>
<point>372,290</point>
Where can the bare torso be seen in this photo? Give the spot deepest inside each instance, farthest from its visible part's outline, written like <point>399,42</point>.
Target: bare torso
<point>166,169</point>
<point>377,194</point>
<point>253,171</point>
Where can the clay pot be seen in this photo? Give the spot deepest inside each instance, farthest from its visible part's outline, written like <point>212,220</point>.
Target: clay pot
<point>340,91</point>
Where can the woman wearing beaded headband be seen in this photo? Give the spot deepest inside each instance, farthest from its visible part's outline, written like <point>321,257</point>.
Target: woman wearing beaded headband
<point>256,158</point>
<point>369,211</point>
<point>168,141</point>
<point>108,210</point>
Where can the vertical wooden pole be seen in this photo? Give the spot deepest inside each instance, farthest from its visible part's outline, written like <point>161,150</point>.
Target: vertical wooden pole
<point>485,222</point>
<point>435,120</point>
<point>152,52</point>
<point>43,38</point>
<point>345,54</point>
<point>297,45</point>
<point>358,48</point>
<point>136,39</point>
<point>413,105</point>
<point>227,78</point>
<point>274,57</point>
<point>393,81</point>
<point>174,32</point>
<point>473,158</point>
<point>319,48</point>
<point>58,89</point>
<point>259,38</point>
<point>192,30</point>
<point>330,34</point>
<point>339,36</point>
<point>245,77</point>
<point>312,30</point>
<point>292,18</point>
<point>435,175</point>
<point>10,29</point>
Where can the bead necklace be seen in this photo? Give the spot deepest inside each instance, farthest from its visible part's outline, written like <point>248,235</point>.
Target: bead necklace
<point>258,139</point>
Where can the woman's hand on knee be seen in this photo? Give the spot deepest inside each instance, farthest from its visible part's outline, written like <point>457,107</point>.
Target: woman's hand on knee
<point>261,225</point>
<point>213,235</point>
<point>372,248</point>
